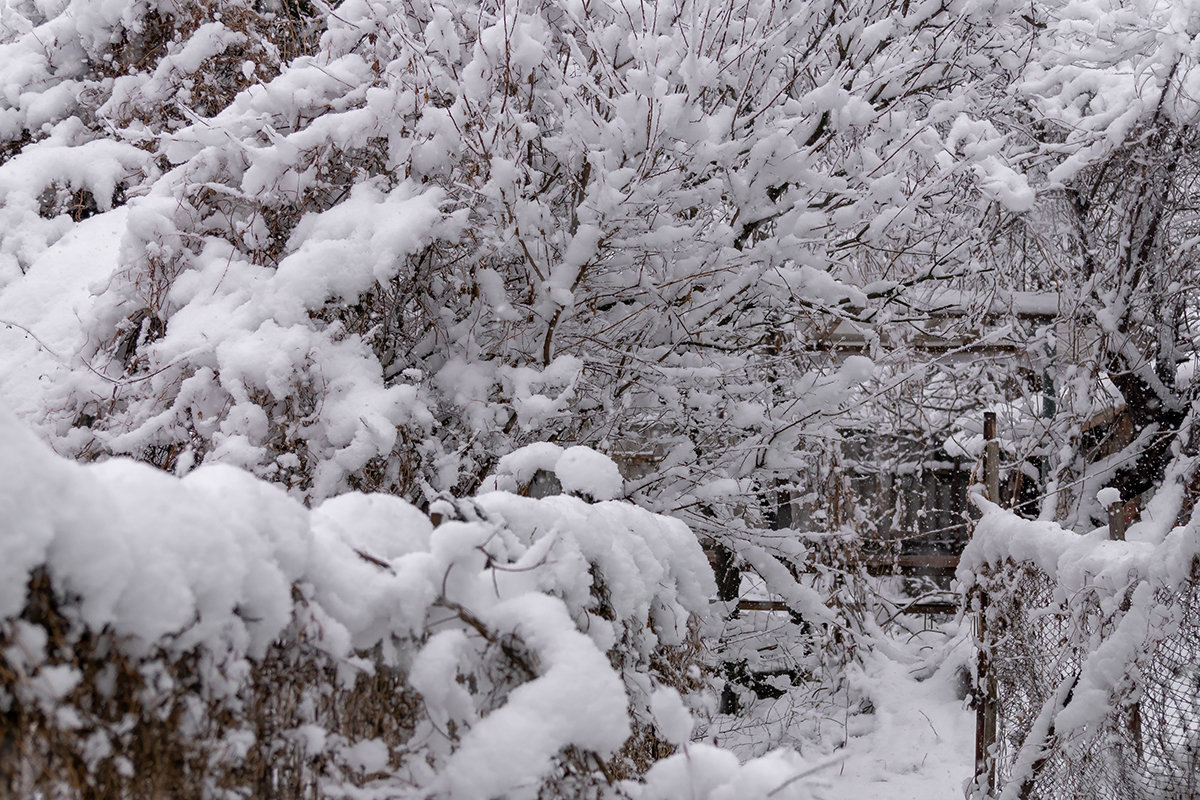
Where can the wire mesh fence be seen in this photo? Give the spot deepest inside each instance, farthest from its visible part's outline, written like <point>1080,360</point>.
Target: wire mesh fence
<point>1037,639</point>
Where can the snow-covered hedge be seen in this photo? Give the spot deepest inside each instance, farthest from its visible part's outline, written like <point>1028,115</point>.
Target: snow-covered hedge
<point>210,636</point>
<point>376,246</point>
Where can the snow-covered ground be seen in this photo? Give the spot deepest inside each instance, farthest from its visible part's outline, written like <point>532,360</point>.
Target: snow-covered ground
<point>921,744</point>
<point>912,739</point>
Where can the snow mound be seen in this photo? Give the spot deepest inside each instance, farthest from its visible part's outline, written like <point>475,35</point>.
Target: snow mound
<point>580,470</point>
<point>583,470</point>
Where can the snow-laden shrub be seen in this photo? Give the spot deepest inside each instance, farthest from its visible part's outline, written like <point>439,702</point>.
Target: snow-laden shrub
<point>88,87</point>
<point>211,637</point>
<point>444,231</point>
<point>453,229</point>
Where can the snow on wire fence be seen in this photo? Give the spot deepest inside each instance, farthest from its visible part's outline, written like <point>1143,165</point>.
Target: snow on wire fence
<point>211,637</point>
<point>1090,661</point>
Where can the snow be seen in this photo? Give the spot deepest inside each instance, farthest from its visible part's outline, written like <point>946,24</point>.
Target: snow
<point>903,730</point>
<point>1005,185</point>
<point>368,235</point>
<point>520,739</point>
<point>672,716</point>
<point>368,755</point>
<point>40,330</point>
<point>919,741</point>
<point>214,560</point>
<point>583,470</point>
<point>1077,560</point>
<point>580,470</point>
<point>1002,301</point>
<point>438,246</point>
<point>517,468</point>
<point>704,772</point>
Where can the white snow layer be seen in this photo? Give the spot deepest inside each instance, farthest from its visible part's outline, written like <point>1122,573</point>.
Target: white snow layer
<point>1078,560</point>
<point>580,470</point>
<point>215,560</point>
<point>40,329</point>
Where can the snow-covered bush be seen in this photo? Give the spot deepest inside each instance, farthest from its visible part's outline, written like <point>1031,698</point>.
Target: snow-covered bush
<point>385,246</point>
<point>441,231</point>
<point>89,87</point>
<point>447,230</point>
<point>210,636</point>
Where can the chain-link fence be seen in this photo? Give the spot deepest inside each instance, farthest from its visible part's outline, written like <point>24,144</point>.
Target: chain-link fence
<point>1037,639</point>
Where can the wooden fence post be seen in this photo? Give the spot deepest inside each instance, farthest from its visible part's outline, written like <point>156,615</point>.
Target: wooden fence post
<point>991,457</point>
<point>984,722</point>
<point>985,708</point>
<point>1116,521</point>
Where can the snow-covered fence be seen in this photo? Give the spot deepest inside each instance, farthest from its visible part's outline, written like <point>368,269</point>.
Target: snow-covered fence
<point>1092,654</point>
<point>211,637</point>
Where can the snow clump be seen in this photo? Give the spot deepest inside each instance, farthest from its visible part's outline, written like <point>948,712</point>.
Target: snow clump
<point>583,470</point>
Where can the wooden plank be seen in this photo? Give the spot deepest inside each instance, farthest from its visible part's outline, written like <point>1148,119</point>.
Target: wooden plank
<point>855,347</point>
<point>917,560</point>
<point>778,606</point>
<point>902,565</point>
<point>762,605</point>
<point>912,565</point>
<point>945,607</point>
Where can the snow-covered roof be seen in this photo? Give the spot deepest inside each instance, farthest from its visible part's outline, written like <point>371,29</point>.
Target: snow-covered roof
<point>1020,304</point>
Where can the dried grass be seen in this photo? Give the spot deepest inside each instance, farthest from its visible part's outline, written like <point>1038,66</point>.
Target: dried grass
<point>155,727</point>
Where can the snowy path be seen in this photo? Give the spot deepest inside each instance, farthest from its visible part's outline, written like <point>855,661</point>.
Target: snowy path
<point>922,745</point>
<point>916,743</point>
